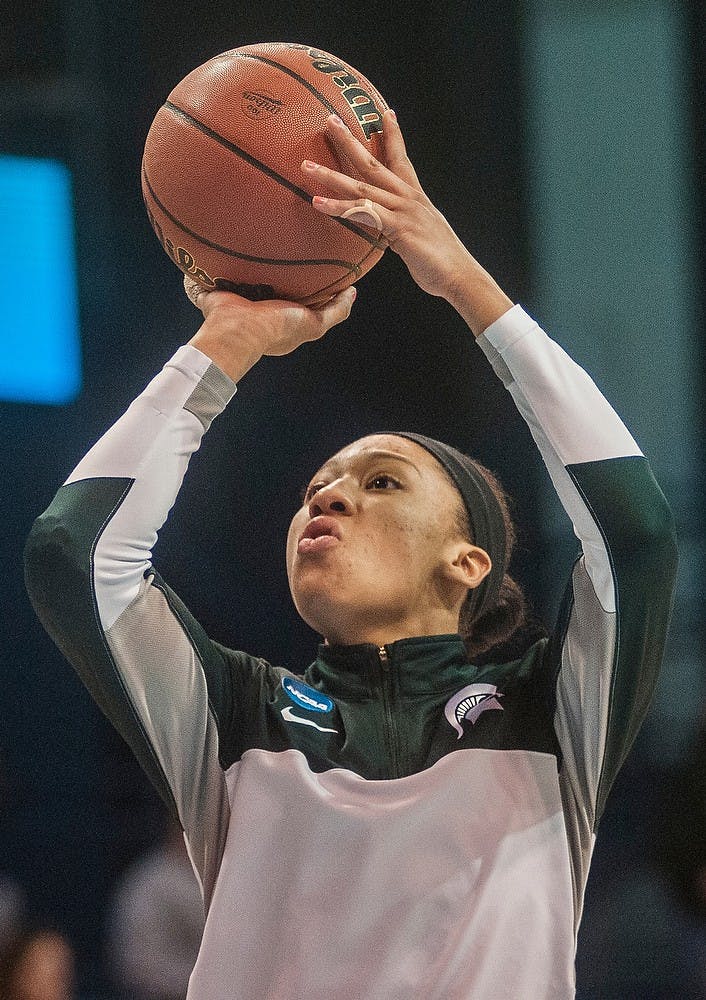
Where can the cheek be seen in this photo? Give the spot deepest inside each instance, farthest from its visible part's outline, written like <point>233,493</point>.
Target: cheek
<point>401,539</point>
<point>295,529</point>
<point>420,542</point>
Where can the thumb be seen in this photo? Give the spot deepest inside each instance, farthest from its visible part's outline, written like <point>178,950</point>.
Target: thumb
<point>335,311</point>
<point>193,290</point>
<point>209,299</point>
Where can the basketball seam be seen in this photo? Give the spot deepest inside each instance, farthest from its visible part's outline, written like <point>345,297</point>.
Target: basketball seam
<point>294,75</point>
<point>325,288</point>
<point>350,266</point>
<point>268,171</point>
<point>309,86</point>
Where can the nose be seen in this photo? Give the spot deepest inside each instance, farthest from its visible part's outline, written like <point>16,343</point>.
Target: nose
<point>330,498</point>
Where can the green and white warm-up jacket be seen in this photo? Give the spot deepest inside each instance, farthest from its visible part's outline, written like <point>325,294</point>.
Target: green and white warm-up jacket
<point>398,823</point>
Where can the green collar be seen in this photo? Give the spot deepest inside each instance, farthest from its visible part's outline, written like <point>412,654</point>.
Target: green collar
<point>420,665</point>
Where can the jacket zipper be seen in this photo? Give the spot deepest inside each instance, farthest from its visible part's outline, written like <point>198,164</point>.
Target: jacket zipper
<point>390,724</point>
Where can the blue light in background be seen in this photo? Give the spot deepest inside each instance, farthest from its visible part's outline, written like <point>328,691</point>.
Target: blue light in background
<point>40,358</point>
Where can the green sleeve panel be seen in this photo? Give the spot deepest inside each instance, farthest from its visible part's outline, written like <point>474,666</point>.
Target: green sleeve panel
<point>59,580</point>
<point>637,527</point>
<point>154,672</point>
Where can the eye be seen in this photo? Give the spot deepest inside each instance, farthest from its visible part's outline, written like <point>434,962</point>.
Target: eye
<point>383,476</point>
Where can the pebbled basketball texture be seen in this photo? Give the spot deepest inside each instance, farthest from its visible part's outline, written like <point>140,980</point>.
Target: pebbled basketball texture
<point>222,178</point>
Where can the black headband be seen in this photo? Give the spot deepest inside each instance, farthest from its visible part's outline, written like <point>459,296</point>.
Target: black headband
<point>484,514</point>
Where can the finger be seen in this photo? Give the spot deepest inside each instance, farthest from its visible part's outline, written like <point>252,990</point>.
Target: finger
<point>365,214</point>
<point>396,158</point>
<point>335,311</point>
<point>193,290</point>
<point>208,299</point>
<point>350,187</point>
<point>362,211</point>
<point>364,161</point>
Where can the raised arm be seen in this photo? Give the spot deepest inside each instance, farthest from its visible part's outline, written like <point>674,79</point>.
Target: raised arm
<point>148,664</point>
<point>604,656</point>
<point>608,643</point>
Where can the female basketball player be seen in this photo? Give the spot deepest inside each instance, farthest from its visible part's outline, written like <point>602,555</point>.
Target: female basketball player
<point>399,822</point>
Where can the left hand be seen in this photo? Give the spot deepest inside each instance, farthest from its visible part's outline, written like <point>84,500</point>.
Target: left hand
<point>411,225</point>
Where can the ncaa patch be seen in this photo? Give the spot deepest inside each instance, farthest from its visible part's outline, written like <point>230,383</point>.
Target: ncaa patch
<point>469,702</point>
<point>306,697</point>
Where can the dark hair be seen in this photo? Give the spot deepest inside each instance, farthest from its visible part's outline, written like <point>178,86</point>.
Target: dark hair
<point>507,628</point>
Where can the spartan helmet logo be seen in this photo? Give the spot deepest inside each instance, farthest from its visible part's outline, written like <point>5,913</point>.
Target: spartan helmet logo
<point>469,702</point>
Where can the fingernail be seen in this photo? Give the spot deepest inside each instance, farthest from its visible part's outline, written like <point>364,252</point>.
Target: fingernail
<point>310,165</point>
<point>318,200</point>
<point>352,292</point>
<point>393,113</point>
<point>335,119</point>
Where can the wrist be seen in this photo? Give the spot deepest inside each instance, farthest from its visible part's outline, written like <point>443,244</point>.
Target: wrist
<point>235,352</point>
<point>477,297</point>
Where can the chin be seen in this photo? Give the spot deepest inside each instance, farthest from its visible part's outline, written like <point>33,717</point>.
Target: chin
<point>314,607</point>
<point>319,612</point>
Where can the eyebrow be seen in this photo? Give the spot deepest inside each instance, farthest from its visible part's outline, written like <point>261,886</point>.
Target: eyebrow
<point>334,465</point>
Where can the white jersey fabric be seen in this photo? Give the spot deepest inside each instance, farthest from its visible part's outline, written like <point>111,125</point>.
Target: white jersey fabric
<point>399,823</point>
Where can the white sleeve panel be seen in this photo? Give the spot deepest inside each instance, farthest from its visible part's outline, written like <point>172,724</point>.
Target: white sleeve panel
<point>569,419</point>
<point>577,420</point>
<point>151,443</point>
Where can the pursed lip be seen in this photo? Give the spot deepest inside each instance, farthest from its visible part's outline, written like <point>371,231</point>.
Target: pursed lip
<point>321,525</point>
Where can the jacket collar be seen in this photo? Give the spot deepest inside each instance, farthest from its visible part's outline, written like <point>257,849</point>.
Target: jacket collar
<point>420,665</point>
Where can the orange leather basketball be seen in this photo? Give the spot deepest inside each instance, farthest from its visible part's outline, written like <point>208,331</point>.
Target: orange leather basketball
<point>222,177</point>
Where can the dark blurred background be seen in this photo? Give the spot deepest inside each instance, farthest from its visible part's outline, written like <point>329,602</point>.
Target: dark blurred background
<point>565,143</point>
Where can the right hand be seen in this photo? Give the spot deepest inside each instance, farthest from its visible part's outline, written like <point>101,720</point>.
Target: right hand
<point>236,332</point>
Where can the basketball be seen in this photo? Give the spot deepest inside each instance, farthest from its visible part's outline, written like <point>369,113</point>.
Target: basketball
<point>222,179</point>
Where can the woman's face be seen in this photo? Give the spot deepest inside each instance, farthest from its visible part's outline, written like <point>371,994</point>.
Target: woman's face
<point>388,572</point>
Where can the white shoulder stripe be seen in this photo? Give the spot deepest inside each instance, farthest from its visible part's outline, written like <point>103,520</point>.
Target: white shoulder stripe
<point>152,444</point>
<point>569,419</point>
<point>578,421</point>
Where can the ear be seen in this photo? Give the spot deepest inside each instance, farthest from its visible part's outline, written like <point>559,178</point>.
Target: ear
<point>467,564</point>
